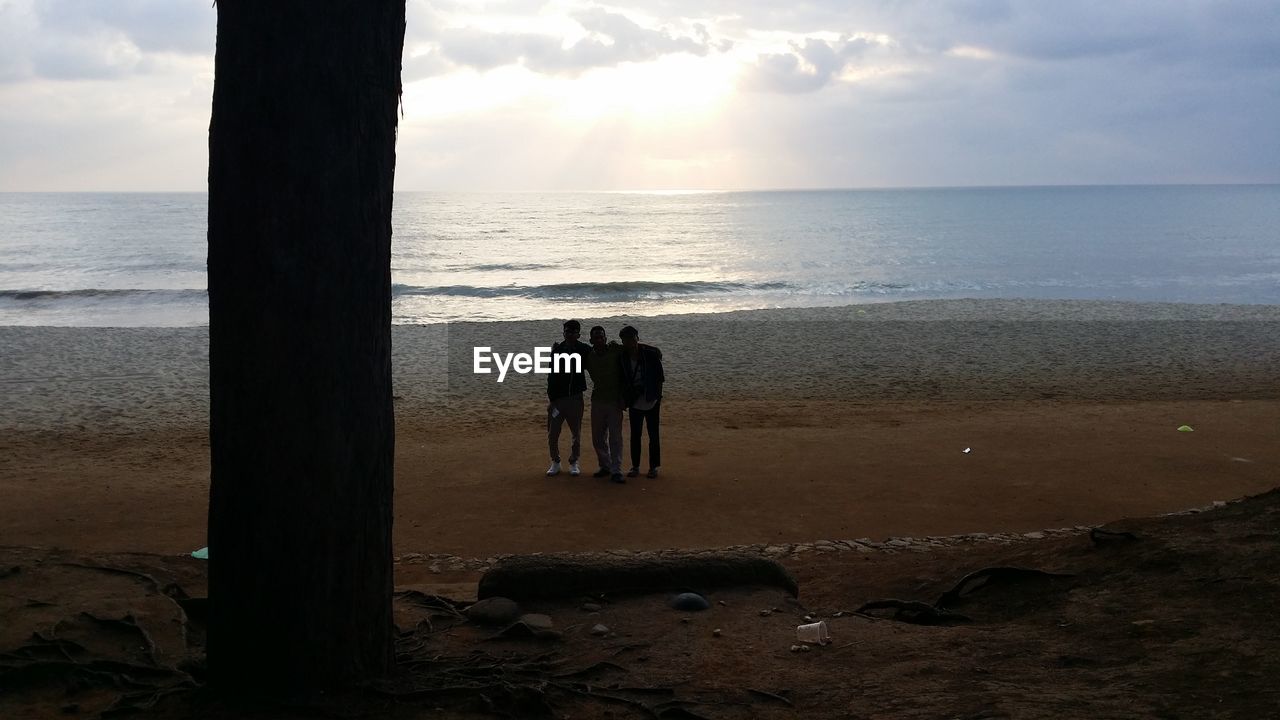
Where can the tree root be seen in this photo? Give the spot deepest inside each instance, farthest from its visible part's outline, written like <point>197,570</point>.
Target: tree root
<point>127,623</point>
<point>979,579</point>
<point>172,590</point>
<point>770,696</point>
<point>913,611</point>
<point>922,613</point>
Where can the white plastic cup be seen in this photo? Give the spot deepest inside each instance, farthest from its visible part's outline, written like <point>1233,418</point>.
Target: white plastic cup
<point>813,633</point>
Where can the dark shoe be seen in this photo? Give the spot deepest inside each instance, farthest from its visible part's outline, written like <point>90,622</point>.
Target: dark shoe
<point>653,473</point>
<point>633,472</point>
<point>617,477</point>
<point>602,472</point>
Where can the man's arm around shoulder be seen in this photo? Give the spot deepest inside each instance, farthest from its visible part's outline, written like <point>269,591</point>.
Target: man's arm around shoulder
<point>656,354</point>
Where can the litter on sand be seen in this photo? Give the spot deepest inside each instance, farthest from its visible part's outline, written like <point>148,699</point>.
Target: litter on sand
<point>966,450</point>
<point>201,554</point>
<point>1186,428</point>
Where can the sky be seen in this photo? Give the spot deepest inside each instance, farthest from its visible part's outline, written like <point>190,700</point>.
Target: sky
<point>516,95</point>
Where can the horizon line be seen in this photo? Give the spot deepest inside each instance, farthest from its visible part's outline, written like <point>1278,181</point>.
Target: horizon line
<point>707,191</point>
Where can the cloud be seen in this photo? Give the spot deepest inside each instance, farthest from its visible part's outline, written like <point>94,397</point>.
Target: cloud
<point>631,42</point>
<point>428,64</point>
<point>967,92</point>
<point>484,50</point>
<point>99,57</point>
<point>179,26</point>
<point>611,39</point>
<point>808,67</point>
<point>93,40</point>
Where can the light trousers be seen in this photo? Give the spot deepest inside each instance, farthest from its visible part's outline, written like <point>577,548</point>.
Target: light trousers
<point>606,434</point>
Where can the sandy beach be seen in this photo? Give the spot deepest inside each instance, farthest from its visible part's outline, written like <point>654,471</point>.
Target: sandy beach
<point>778,426</point>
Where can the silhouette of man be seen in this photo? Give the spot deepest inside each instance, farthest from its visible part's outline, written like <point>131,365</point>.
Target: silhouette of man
<point>604,364</point>
<point>642,382</point>
<point>564,399</point>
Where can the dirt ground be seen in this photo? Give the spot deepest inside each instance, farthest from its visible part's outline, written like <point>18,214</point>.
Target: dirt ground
<point>1169,617</point>
<point>1178,623</point>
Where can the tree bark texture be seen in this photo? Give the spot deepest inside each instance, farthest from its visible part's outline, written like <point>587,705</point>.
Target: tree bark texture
<point>301,163</point>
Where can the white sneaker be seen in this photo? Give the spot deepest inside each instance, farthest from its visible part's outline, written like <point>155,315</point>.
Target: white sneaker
<point>574,469</point>
<point>554,469</point>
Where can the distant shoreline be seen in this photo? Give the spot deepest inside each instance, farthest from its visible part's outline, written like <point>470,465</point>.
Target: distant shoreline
<point>696,191</point>
<point>968,308</point>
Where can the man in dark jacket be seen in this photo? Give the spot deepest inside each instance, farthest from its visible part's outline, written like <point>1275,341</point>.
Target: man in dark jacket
<point>564,399</point>
<point>642,366</point>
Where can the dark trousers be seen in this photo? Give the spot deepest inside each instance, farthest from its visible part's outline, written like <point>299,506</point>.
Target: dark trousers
<point>640,419</point>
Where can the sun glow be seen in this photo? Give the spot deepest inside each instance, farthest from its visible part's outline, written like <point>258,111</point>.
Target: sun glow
<point>466,92</point>
<point>673,89</point>
<point>676,88</point>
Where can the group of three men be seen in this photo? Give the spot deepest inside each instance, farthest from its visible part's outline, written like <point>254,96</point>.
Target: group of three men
<point>626,376</point>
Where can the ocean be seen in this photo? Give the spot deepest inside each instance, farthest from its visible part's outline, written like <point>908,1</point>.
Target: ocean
<point>138,259</point>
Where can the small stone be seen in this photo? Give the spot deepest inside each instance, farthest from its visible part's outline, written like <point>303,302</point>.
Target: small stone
<point>690,602</point>
<point>808,618</point>
<point>805,648</point>
<point>600,630</point>
<point>723,603</point>
<point>716,632</point>
<point>493,611</point>
<point>796,648</point>
<point>766,613</point>
<point>521,629</point>
<point>537,621</point>
<point>590,607</point>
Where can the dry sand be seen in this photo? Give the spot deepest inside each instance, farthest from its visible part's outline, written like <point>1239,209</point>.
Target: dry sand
<point>779,426</point>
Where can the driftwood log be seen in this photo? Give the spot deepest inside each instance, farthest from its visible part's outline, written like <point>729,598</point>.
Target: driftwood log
<point>547,577</point>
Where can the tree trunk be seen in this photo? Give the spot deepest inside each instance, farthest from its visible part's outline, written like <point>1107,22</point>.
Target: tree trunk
<point>301,162</point>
